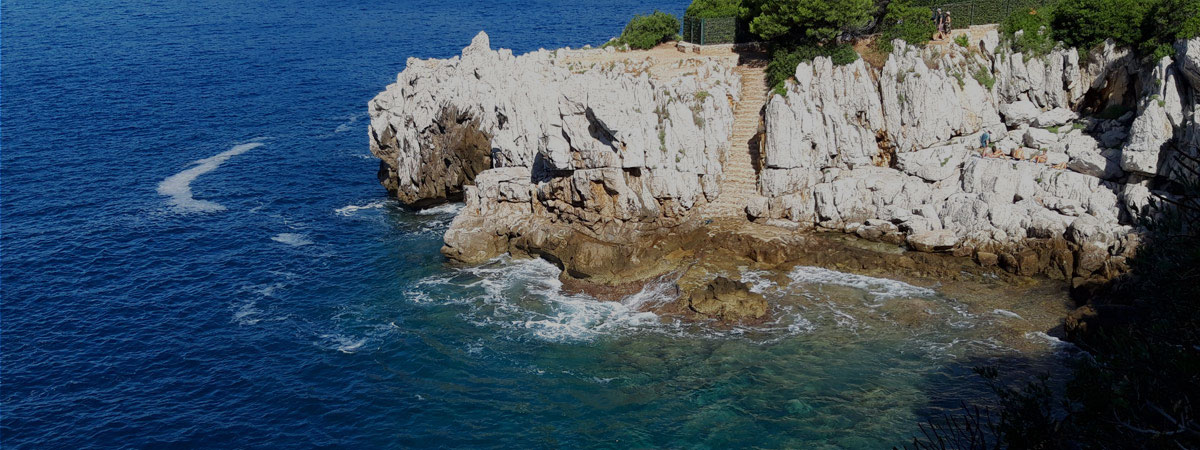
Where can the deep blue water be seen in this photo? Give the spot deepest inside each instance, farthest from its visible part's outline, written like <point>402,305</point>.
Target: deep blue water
<point>167,283</point>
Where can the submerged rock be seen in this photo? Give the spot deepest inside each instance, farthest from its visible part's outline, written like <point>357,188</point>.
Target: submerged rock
<point>728,300</point>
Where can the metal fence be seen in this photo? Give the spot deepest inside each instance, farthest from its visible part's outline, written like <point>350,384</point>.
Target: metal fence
<point>966,13</point>
<point>720,30</point>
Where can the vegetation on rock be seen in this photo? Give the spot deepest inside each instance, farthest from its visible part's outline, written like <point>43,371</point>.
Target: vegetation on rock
<point>645,31</point>
<point>1150,27</point>
<point>902,20</point>
<point>707,9</point>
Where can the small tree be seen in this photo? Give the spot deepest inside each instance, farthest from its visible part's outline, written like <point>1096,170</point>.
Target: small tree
<point>903,21</point>
<point>1085,23</point>
<point>808,20</point>
<point>644,32</point>
<point>708,9</point>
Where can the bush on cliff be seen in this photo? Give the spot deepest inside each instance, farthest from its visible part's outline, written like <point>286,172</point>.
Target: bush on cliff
<point>707,9</point>
<point>818,21</point>
<point>1168,21</point>
<point>903,21</point>
<point>1150,27</point>
<point>644,32</point>
<point>784,61</point>
<point>1085,23</point>
<point>1028,31</point>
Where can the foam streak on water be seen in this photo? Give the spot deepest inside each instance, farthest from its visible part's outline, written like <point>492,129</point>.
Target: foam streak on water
<point>179,186</point>
<point>880,288</point>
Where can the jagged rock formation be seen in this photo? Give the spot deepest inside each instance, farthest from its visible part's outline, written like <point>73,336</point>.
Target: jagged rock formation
<point>582,140</point>
<point>606,168</point>
<point>894,154</point>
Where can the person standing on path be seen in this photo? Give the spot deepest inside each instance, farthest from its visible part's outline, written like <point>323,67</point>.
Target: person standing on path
<point>946,24</point>
<point>937,23</point>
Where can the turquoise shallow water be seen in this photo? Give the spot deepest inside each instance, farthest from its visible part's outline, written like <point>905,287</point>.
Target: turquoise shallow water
<point>194,252</point>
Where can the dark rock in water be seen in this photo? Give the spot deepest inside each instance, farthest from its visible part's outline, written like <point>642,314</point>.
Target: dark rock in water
<point>728,300</point>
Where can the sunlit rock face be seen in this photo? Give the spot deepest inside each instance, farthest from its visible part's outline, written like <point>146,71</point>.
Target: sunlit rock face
<point>895,153</point>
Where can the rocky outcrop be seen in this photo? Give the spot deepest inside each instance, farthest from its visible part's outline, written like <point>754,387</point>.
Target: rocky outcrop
<point>597,143</point>
<point>894,153</point>
<point>728,300</point>
<point>602,163</point>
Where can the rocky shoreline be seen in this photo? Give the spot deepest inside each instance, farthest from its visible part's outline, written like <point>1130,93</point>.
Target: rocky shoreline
<point>610,164</point>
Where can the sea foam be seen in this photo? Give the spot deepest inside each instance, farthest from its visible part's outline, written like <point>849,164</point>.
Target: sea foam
<point>349,210</point>
<point>179,186</point>
<point>880,288</point>
<point>293,239</point>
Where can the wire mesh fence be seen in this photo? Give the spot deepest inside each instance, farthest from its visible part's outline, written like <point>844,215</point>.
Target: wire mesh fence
<point>706,31</point>
<point>966,13</point>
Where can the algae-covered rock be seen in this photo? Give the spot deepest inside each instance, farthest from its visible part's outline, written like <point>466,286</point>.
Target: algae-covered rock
<point>728,300</point>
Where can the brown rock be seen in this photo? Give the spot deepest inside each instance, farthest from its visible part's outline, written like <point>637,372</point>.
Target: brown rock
<point>987,259</point>
<point>933,241</point>
<point>728,300</point>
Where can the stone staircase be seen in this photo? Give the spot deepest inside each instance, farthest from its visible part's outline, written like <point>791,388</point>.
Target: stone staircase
<point>740,180</point>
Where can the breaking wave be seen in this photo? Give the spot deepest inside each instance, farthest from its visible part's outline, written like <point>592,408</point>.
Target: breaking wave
<point>448,208</point>
<point>179,186</point>
<point>349,210</point>
<point>880,288</point>
<point>293,239</point>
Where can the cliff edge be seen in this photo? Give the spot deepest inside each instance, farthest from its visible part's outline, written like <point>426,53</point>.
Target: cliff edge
<point>623,166</point>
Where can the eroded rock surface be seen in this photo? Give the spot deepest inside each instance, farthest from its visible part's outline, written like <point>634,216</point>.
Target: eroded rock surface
<point>602,167</point>
<point>894,154</point>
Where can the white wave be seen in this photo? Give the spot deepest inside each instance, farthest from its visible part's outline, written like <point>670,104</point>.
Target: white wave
<point>349,210</point>
<point>448,208</point>
<point>342,343</point>
<point>1052,341</point>
<point>349,123</point>
<point>246,314</point>
<point>757,280</point>
<point>880,288</point>
<point>1007,313</point>
<point>293,239</point>
<point>179,186</point>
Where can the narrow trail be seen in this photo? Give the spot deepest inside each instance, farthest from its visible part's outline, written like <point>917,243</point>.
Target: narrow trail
<point>740,181</point>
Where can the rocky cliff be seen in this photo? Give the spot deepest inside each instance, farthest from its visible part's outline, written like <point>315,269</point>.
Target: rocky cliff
<point>603,162</point>
<point>895,154</point>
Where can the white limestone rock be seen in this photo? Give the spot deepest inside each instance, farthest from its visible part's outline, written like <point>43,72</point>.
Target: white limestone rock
<point>933,164</point>
<point>1019,113</point>
<point>1054,118</point>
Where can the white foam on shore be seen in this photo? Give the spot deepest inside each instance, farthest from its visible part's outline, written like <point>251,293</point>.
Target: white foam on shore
<point>293,239</point>
<point>526,295</point>
<point>880,288</point>
<point>1007,313</point>
<point>349,210</point>
<point>448,208</point>
<point>179,186</point>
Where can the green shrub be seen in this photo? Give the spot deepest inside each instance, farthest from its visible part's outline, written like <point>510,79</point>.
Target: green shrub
<point>1085,23</point>
<point>784,61</point>
<point>903,21</point>
<point>1033,25</point>
<point>985,78</point>
<point>797,21</point>
<point>1167,21</point>
<point>707,9</point>
<point>963,41</point>
<point>644,32</point>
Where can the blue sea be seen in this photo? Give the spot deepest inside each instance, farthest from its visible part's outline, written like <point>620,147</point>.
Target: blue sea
<point>195,253</point>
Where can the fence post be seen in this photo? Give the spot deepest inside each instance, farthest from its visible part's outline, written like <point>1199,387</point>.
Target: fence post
<point>703,30</point>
